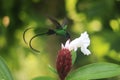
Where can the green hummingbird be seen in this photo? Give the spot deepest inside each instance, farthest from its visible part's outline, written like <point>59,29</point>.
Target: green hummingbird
<point>60,30</point>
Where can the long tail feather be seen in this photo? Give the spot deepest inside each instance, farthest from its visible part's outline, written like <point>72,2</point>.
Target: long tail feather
<point>24,35</point>
<point>30,42</point>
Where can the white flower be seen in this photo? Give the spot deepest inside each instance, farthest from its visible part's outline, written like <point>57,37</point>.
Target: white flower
<point>81,42</point>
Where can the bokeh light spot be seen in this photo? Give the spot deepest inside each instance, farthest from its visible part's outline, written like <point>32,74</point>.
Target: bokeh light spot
<point>114,25</point>
<point>6,21</point>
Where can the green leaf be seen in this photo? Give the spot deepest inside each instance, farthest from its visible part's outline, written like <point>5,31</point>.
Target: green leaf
<point>95,71</point>
<point>4,71</point>
<point>73,56</point>
<point>52,69</point>
<point>44,78</point>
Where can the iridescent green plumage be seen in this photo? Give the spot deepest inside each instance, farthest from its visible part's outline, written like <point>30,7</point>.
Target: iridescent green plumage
<point>60,30</point>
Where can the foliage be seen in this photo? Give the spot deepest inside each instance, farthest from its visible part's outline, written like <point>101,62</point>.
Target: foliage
<point>43,78</point>
<point>4,71</point>
<point>95,71</point>
<point>100,18</point>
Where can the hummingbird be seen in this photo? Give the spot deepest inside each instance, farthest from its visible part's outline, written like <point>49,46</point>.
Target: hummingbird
<point>60,30</point>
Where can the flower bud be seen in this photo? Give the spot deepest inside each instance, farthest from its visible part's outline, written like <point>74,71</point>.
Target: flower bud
<point>63,63</point>
<point>64,59</point>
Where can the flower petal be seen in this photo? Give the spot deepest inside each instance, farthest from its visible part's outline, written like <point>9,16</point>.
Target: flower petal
<point>67,43</point>
<point>83,41</point>
<point>85,51</point>
<point>74,44</point>
<point>62,46</point>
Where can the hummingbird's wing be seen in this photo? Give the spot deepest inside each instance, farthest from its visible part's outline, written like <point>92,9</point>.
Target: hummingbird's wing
<point>65,22</point>
<point>64,26</point>
<point>55,22</point>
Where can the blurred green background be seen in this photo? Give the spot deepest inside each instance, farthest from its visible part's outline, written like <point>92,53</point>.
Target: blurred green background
<point>100,18</point>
